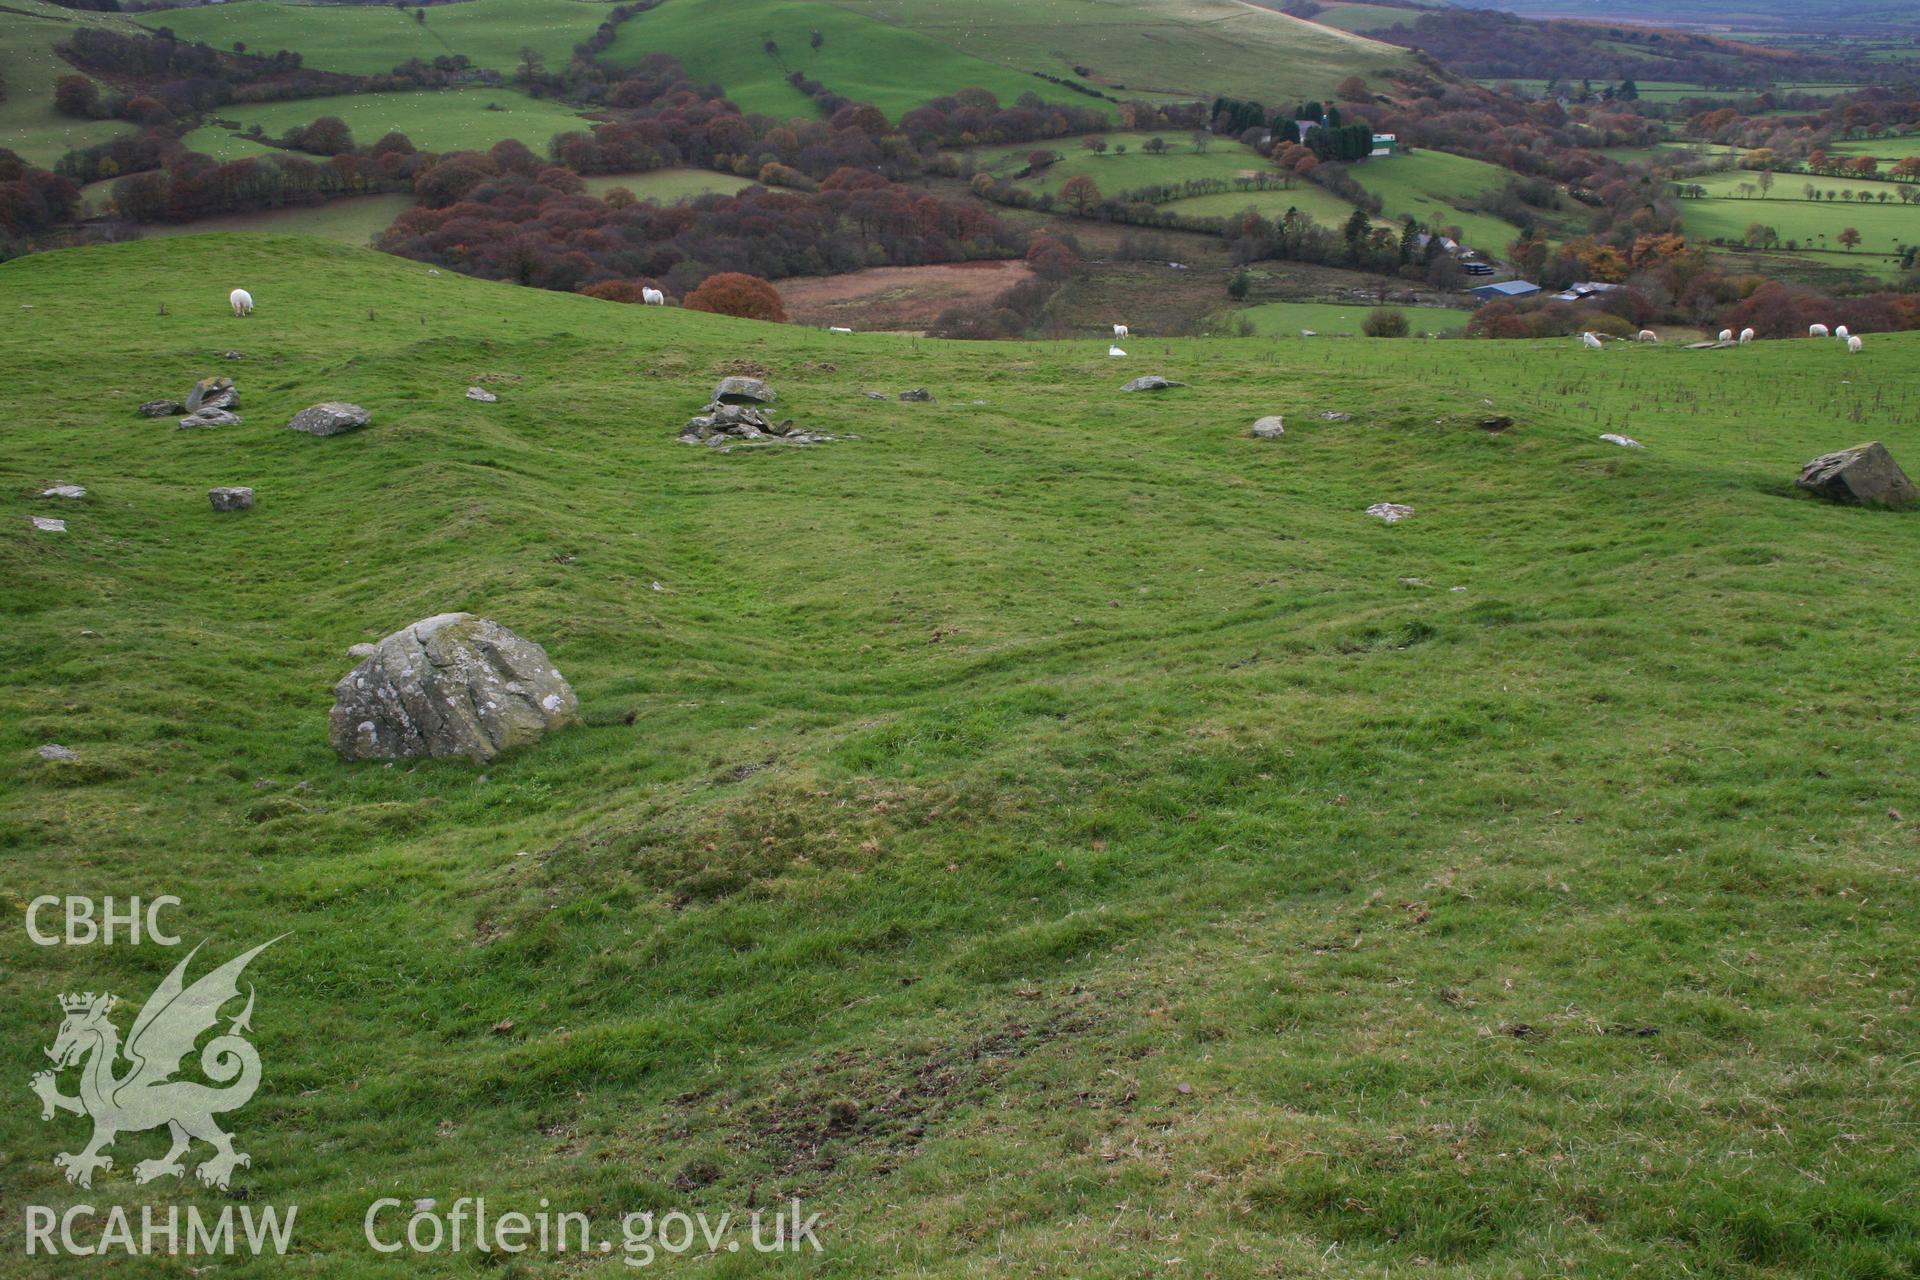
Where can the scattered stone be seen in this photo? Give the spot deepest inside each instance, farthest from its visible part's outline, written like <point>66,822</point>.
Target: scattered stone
<point>1625,442</point>
<point>724,424</point>
<point>919,395</point>
<point>481,394</point>
<point>1151,382</point>
<point>1495,423</point>
<point>1865,475</point>
<point>213,393</point>
<point>54,751</point>
<point>64,491</point>
<point>742,390</point>
<point>234,355</point>
<point>234,499</point>
<point>876,395</point>
<point>162,409</point>
<point>329,418</point>
<point>1334,415</point>
<point>47,524</point>
<point>1391,512</point>
<point>1270,428</point>
<point>362,650</point>
<point>450,685</point>
<point>212,418</point>
<point>86,634</point>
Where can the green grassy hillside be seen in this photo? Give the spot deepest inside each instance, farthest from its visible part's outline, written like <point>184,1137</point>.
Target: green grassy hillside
<point>1052,833</point>
<point>1815,225</point>
<point>1433,186</point>
<point>471,119</point>
<point>366,39</point>
<point>29,68</point>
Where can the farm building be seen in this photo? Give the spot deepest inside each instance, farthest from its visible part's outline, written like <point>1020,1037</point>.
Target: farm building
<point>1505,289</point>
<point>1384,144</point>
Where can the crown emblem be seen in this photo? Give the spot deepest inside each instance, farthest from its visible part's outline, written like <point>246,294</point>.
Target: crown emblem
<point>82,1003</point>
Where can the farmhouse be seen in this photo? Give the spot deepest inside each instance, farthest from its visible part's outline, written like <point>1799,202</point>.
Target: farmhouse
<point>1384,144</point>
<point>1505,289</point>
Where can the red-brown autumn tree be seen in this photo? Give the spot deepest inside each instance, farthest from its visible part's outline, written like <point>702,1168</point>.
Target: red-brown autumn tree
<point>734,293</point>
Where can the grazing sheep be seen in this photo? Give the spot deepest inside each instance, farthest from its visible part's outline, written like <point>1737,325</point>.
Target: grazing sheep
<point>1115,352</point>
<point>1842,332</point>
<point>838,329</point>
<point>652,297</point>
<point>1590,341</point>
<point>1854,344</point>
<point>1746,335</point>
<point>1816,331</point>
<point>242,302</point>
<point>1646,335</point>
<point>1726,335</point>
<point>1120,331</point>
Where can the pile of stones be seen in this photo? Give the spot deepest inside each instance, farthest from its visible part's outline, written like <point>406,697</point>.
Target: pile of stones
<point>737,415</point>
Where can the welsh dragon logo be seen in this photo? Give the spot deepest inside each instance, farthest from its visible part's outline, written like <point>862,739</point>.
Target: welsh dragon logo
<point>144,1095</point>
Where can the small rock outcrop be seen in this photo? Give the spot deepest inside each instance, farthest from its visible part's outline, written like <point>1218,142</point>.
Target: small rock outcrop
<point>738,390</point>
<point>1271,427</point>
<point>1334,415</point>
<point>1151,382</point>
<point>449,685</point>
<point>162,409</point>
<point>1625,442</point>
<point>919,395</point>
<point>238,498</point>
<point>54,751</point>
<point>481,394</point>
<point>1865,475</point>
<point>48,524</point>
<point>329,418</point>
<point>213,393</point>
<point>1391,512</point>
<point>64,491</point>
<point>212,418</point>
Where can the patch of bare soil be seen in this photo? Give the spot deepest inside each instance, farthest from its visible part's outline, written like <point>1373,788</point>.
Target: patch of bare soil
<point>896,299</point>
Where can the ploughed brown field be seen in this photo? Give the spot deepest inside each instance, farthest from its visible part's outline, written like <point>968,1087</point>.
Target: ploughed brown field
<point>896,299</point>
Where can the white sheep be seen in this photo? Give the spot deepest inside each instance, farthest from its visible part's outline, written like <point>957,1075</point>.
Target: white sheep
<point>652,297</point>
<point>1646,335</point>
<point>1842,333</point>
<point>1746,335</point>
<point>838,329</point>
<point>1590,342</point>
<point>1115,352</point>
<point>1816,331</point>
<point>1854,344</point>
<point>242,302</point>
<point>1726,335</point>
<point>1120,331</point>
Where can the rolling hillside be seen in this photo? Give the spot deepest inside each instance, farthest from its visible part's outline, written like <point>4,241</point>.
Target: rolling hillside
<point>29,30</point>
<point>1051,833</point>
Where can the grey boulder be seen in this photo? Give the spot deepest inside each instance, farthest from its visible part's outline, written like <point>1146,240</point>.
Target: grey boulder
<point>1151,382</point>
<point>919,395</point>
<point>329,418</point>
<point>212,418</point>
<point>450,685</point>
<point>162,409</point>
<point>238,498</point>
<point>481,394</point>
<point>1271,427</point>
<point>213,393</point>
<point>743,391</point>
<point>1865,475</point>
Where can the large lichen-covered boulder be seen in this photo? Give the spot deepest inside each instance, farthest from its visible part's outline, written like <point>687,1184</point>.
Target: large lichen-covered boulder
<point>329,418</point>
<point>1865,474</point>
<point>212,393</point>
<point>449,685</point>
<point>741,390</point>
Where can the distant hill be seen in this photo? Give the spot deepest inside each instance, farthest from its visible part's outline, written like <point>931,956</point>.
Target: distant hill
<point>1811,17</point>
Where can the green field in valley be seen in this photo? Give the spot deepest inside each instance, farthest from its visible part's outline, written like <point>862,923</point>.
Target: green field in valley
<point>1726,213</point>
<point>29,30</point>
<point>1431,186</point>
<point>468,119</point>
<point>1317,202</point>
<point>669,186</point>
<point>1050,834</point>
<point>862,56</point>
<point>367,39</point>
<point>1289,319</point>
<point>1886,149</point>
<point>1365,18</point>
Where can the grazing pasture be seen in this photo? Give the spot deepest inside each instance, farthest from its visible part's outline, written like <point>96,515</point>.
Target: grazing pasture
<point>668,186</point>
<point>861,55</point>
<point>29,68</point>
<point>1050,821</point>
<point>1730,208</point>
<point>367,39</point>
<point>467,119</point>
<point>1287,319</point>
<point>1433,186</point>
